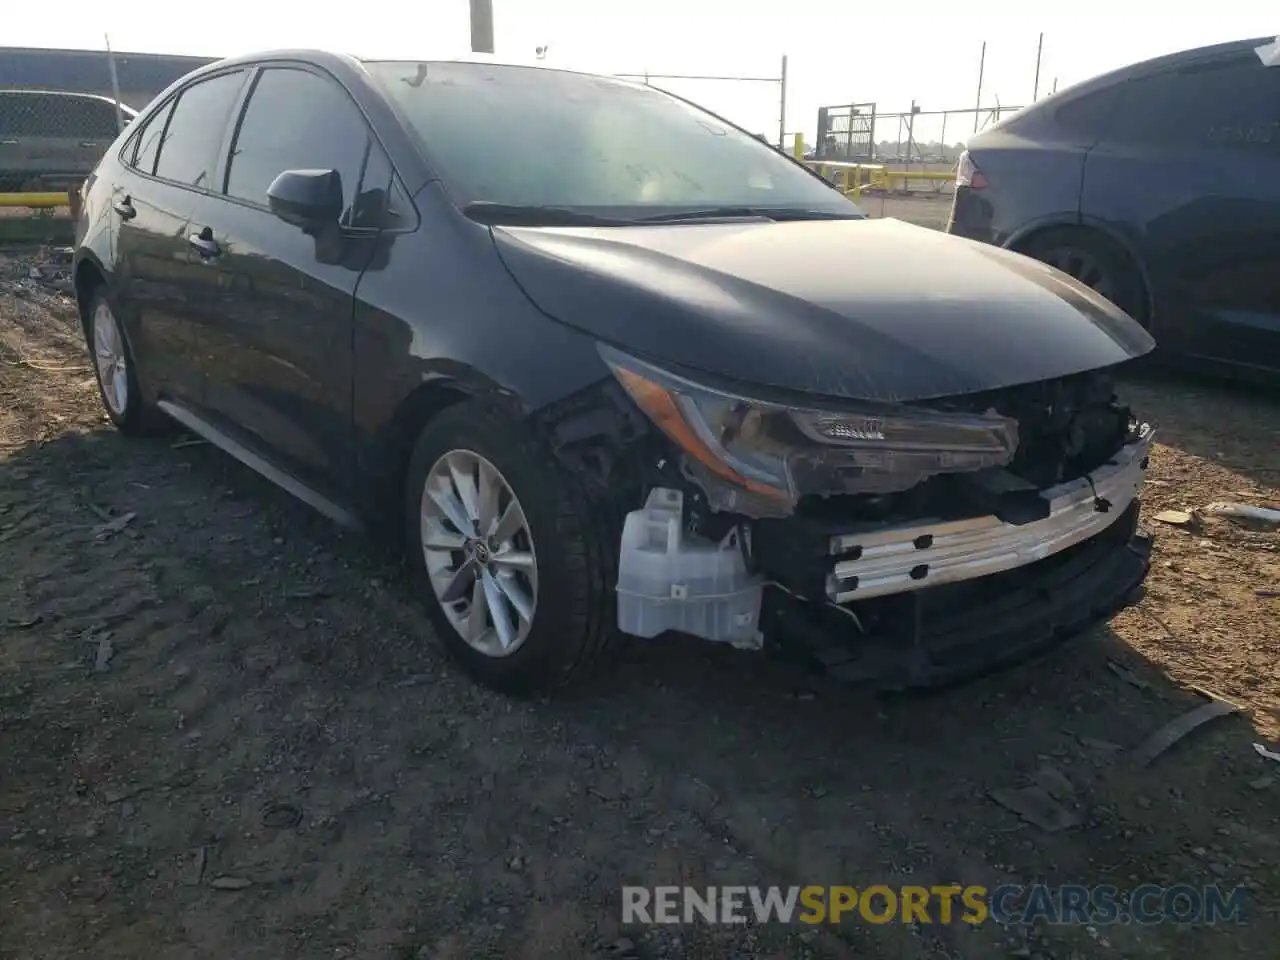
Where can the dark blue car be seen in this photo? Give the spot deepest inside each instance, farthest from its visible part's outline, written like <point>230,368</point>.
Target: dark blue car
<point>1159,186</point>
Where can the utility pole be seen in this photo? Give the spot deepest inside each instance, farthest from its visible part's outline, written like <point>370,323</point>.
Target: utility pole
<point>1035,91</point>
<point>115,84</point>
<point>977,107</point>
<point>482,26</point>
<point>782,109</point>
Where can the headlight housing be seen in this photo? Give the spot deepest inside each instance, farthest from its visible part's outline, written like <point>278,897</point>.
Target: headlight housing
<point>771,454</point>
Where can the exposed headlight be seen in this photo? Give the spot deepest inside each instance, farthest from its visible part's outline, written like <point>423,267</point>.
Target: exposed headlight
<point>782,452</point>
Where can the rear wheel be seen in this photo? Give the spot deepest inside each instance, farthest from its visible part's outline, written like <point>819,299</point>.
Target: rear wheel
<point>116,371</point>
<point>1095,261</point>
<point>516,565</point>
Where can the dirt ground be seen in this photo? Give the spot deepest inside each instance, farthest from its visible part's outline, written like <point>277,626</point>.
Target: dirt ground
<point>226,731</point>
<point>920,207</point>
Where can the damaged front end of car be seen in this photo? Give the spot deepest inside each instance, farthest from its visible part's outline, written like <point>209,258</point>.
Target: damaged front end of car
<point>908,544</point>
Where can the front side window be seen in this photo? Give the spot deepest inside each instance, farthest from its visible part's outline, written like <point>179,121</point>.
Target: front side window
<point>532,137</point>
<point>296,120</point>
<point>189,149</point>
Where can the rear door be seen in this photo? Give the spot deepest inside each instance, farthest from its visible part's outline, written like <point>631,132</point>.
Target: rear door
<point>1190,172</point>
<point>279,347</point>
<point>160,280</point>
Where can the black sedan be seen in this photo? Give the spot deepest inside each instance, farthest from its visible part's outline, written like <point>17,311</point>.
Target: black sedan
<point>1159,186</point>
<point>608,364</point>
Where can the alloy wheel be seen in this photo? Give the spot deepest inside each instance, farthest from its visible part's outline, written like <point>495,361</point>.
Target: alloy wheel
<point>479,552</point>
<point>111,360</point>
<point>1084,266</point>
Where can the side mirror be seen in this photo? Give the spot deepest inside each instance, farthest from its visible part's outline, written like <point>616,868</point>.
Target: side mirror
<point>307,198</point>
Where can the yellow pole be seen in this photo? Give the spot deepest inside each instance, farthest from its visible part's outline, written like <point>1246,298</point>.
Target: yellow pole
<point>33,200</point>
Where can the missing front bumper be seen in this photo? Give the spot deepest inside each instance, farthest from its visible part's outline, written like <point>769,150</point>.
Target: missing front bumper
<point>953,633</point>
<point>905,558</point>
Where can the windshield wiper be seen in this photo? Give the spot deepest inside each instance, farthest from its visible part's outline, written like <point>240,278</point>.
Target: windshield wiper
<point>485,211</point>
<point>490,212</point>
<point>755,213</point>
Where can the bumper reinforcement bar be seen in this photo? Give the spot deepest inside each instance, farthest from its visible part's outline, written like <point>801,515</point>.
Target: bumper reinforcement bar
<point>901,559</point>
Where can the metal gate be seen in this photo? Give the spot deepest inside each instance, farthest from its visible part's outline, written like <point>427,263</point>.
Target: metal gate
<point>847,132</point>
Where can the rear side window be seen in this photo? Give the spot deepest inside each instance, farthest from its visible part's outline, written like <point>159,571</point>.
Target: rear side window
<point>1229,103</point>
<point>53,115</point>
<point>296,120</point>
<point>1088,115</point>
<point>189,148</point>
<point>148,139</point>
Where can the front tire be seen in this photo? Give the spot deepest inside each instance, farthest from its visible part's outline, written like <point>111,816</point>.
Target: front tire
<point>516,565</point>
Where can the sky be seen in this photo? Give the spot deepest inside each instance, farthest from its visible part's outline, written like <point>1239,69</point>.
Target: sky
<point>838,51</point>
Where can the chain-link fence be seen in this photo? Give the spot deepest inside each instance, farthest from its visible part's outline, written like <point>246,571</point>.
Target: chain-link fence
<point>911,139</point>
<point>50,141</point>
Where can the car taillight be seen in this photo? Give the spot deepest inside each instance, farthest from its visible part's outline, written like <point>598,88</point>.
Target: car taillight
<point>968,174</point>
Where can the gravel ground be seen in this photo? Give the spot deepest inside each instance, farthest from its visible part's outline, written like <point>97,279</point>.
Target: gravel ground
<point>226,731</point>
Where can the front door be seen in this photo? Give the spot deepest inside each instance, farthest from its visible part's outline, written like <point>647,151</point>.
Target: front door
<point>278,338</point>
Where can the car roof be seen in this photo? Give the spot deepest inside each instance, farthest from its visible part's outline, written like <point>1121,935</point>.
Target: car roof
<point>1045,106</point>
<point>1169,61</point>
<point>339,63</point>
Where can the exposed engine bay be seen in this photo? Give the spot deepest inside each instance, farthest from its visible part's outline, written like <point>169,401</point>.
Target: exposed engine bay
<point>740,506</point>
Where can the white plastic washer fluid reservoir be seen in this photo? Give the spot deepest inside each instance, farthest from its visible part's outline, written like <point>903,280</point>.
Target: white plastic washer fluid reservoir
<point>669,580</point>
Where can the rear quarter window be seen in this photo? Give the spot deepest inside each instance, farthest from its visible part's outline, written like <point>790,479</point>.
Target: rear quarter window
<point>1089,114</point>
<point>1233,103</point>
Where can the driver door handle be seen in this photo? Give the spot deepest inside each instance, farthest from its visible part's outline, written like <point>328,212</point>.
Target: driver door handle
<point>125,209</point>
<point>204,244</point>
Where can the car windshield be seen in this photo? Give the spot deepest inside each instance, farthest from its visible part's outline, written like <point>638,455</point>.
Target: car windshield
<point>526,137</point>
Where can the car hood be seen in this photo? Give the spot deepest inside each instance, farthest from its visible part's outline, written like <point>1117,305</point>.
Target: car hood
<point>858,309</point>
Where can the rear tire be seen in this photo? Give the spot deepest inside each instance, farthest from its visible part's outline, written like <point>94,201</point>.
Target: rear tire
<point>1097,262</point>
<point>117,374</point>
<point>485,494</point>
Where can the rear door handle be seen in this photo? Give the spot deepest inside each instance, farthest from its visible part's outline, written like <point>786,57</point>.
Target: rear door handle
<point>125,209</point>
<point>203,243</point>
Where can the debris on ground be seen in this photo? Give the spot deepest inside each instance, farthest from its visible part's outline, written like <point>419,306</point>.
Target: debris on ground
<point>107,530</point>
<point>194,874</point>
<point>230,883</point>
<point>102,659</point>
<point>1178,518</point>
<point>1259,517</point>
<point>1264,752</point>
<point>308,593</point>
<point>1055,782</point>
<point>1127,675</point>
<point>1037,806</point>
<point>281,816</point>
<point>1176,729</point>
